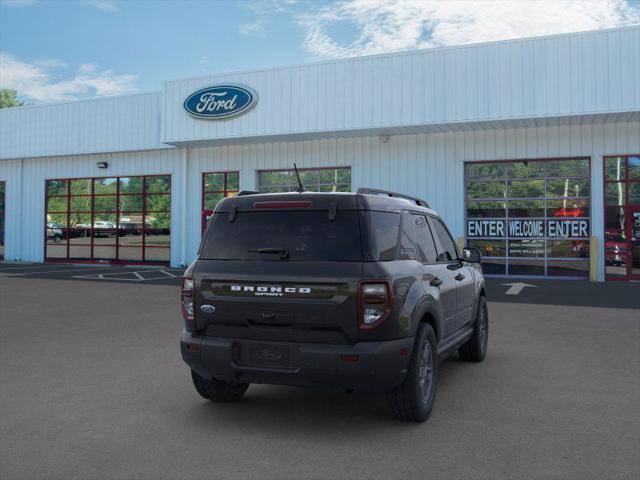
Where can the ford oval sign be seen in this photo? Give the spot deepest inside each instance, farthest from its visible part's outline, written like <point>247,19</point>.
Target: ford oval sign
<point>220,101</point>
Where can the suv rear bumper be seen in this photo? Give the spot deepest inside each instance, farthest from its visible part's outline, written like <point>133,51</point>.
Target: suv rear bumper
<point>368,366</point>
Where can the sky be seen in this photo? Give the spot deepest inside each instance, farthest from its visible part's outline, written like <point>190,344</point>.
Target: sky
<point>59,50</point>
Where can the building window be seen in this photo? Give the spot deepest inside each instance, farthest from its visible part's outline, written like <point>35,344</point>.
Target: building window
<point>120,219</point>
<point>530,217</point>
<point>2,210</point>
<point>314,179</point>
<point>622,217</point>
<point>215,187</point>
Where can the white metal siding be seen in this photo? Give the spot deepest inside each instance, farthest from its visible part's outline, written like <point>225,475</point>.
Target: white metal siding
<point>25,203</point>
<point>91,126</point>
<point>426,165</point>
<point>547,77</point>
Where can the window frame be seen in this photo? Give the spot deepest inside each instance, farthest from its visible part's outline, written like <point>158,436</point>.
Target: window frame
<point>226,193</point>
<point>627,206</point>
<point>439,246</point>
<point>429,231</point>
<point>91,213</point>
<point>546,177</point>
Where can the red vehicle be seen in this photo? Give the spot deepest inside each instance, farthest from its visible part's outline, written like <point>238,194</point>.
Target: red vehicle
<point>615,248</point>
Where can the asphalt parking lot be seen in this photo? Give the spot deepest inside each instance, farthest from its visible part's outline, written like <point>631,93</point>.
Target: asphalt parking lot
<point>92,386</point>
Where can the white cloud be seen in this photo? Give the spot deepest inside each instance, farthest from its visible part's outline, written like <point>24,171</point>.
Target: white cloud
<point>389,25</point>
<point>269,6</point>
<point>252,29</point>
<point>36,81</point>
<point>104,5</point>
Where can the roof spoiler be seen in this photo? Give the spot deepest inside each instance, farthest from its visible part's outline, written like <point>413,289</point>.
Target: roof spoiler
<point>242,193</point>
<point>376,191</point>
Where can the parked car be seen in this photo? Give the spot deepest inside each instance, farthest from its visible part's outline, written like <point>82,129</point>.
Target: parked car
<point>54,232</point>
<point>103,228</point>
<point>615,249</point>
<point>360,291</point>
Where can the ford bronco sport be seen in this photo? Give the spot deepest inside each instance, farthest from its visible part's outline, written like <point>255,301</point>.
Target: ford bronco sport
<point>360,291</point>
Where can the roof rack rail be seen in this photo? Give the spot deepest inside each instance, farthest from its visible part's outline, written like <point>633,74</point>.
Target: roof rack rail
<point>242,193</point>
<point>376,191</point>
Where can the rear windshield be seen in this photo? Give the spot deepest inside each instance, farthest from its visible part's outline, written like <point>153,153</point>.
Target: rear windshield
<point>303,235</point>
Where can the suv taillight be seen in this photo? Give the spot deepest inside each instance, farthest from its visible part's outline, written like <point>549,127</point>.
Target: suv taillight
<point>186,300</point>
<point>374,302</point>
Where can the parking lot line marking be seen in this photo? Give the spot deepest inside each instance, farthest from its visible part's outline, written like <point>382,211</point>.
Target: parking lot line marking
<point>169,274</point>
<point>121,276</point>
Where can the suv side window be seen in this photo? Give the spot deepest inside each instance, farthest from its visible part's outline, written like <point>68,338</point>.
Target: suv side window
<point>407,249</point>
<point>425,244</point>
<point>449,250</point>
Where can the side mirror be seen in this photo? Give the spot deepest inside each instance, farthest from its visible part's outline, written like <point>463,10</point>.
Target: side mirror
<point>471,255</point>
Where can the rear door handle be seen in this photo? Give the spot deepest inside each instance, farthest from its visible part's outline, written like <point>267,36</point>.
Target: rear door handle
<point>435,282</point>
<point>459,277</point>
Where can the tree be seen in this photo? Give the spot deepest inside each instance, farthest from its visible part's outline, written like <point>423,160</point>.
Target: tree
<point>8,98</point>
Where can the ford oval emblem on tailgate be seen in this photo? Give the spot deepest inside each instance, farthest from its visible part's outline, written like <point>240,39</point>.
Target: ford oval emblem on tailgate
<point>207,308</point>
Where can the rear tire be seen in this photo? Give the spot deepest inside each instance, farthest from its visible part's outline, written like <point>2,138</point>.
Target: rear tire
<point>476,347</point>
<point>218,390</point>
<point>413,400</point>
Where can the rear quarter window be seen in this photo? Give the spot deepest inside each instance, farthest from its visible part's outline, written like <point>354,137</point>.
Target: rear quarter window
<point>384,229</point>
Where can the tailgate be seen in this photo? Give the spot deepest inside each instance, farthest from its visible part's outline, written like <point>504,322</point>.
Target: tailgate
<point>278,301</point>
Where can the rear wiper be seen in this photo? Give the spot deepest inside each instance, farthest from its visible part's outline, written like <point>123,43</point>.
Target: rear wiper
<point>283,252</point>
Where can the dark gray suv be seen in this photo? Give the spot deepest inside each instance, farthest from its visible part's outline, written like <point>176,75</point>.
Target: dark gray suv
<point>360,291</point>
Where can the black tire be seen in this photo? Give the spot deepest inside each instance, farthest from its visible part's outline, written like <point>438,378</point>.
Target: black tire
<point>217,390</point>
<point>413,399</point>
<point>476,347</point>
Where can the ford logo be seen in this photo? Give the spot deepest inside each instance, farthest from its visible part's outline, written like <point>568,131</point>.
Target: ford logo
<point>268,355</point>
<point>220,101</point>
<point>207,308</point>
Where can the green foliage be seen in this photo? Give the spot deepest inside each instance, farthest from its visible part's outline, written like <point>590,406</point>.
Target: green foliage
<point>8,98</point>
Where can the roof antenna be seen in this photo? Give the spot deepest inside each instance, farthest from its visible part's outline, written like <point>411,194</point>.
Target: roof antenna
<point>300,185</point>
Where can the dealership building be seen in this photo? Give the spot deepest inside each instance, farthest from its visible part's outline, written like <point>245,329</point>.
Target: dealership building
<point>529,149</point>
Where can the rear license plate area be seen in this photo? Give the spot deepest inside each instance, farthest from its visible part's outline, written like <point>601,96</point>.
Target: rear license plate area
<point>269,355</point>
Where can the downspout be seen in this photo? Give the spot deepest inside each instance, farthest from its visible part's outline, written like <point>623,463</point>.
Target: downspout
<point>183,207</point>
<point>18,236</point>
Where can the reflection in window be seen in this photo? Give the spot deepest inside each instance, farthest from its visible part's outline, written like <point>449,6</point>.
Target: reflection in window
<point>525,188</point>
<point>568,268</point>
<point>614,193</point>
<point>526,208</point>
<point>621,220</point>
<point>526,248</point>
<point>633,168</point>
<point>109,219</point>
<point>486,209</point>
<point>526,267</point>
<point>615,168</point>
<point>489,189</point>
<point>489,248</point>
<point>529,192</point>
<point>313,179</point>
<point>526,169</point>
<point>485,171</point>
<point>568,248</point>
<point>574,207</point>
<point>215,187</point>
<point>568,188</point>
<point>568,168</point>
